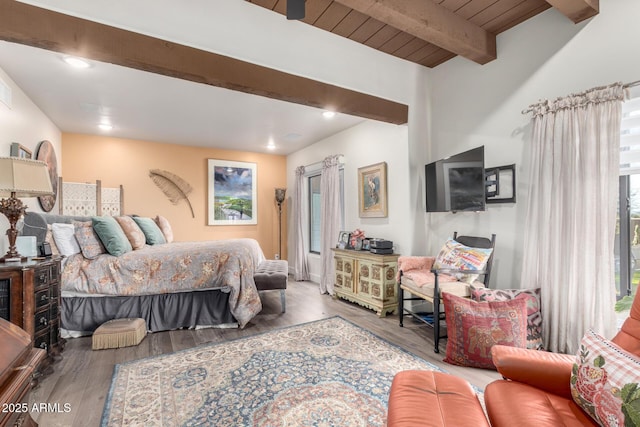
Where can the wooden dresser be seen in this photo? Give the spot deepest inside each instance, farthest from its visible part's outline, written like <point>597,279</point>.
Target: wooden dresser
<point>18,362</point>
<point>367,279</point>
<point>30,299</point>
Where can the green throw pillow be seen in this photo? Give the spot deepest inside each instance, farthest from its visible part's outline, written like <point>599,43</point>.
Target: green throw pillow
<point>151,231</point>
<point>111,235</point>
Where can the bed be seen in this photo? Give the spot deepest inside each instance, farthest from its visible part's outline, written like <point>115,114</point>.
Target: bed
<point>172,285</point>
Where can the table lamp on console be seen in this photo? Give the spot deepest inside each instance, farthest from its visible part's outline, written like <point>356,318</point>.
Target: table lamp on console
<point>24,178</point>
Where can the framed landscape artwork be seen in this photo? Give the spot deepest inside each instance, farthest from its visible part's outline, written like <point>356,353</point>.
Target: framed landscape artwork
<point>372,191</point>
<point>232,193</point>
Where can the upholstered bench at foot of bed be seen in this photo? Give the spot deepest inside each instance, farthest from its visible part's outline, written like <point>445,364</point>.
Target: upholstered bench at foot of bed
<point>271,275</point>
<point>430,399</point>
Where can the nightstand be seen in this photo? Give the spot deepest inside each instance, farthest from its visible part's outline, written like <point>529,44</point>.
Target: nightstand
<point>30,299</point>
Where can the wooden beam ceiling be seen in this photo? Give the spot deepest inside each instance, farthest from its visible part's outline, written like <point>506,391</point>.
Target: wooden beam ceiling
<point>577,10</point>
<point>433,23</point>
<point>42,28</point>
<point>429,32</point>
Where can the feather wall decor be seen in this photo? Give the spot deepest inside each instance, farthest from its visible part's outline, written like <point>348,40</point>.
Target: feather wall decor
<point>174,187</point>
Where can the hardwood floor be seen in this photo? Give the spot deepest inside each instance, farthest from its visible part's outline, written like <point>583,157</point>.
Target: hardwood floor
<point>77,389</point>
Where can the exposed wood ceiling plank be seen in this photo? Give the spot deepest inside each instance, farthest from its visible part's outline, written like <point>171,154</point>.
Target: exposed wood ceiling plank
<point>408,49</point>
<point>498,8</point>
<point>440,56</point>
<point>381,36</point>
<point>42,28</point>
<point>280,7</point>
<point>268,4</point>
<point>516,15</point>
<point>577,10</point>
<point>350,24</point>
<point>396,42</point>
<point>471,9</point>
<point>366,30</point>
<point>454,5</point>
<point>433,23</point>
<point>421,54</point>
<point>314,9</point>
<point>331,17</point>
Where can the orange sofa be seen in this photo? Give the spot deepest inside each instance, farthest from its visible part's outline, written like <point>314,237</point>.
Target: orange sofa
<point>535,390</point>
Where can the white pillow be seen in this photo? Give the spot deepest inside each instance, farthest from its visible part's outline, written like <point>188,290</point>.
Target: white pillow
<point>65,239</point>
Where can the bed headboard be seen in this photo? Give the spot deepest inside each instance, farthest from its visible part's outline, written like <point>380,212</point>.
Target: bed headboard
<point>35,223</point>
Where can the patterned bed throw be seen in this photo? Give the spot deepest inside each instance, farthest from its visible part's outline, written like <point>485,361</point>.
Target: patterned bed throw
<point>174,267</point>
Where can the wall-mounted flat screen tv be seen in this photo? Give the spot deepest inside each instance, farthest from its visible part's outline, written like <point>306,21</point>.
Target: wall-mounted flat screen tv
<point>456,183</point>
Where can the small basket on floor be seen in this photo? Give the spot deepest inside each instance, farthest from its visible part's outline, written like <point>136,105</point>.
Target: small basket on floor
<point>118,333</point>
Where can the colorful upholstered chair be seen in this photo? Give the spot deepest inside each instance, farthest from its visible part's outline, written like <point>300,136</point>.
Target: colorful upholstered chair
<point>462,260</point>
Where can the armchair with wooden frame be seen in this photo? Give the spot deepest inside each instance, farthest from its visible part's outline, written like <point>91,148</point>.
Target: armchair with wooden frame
<point>418,278</point>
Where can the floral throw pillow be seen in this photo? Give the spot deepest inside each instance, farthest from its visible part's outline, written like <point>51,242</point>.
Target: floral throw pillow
<point>132,231</point>
<point>604,382</point>
<point>474,327</point>
<point>165,227</point>
<point>457,256</point>
<point>534,314</point>
<point>90,244</point>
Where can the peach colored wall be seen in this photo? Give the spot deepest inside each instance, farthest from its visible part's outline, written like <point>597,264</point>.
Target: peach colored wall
<point>127,162</point>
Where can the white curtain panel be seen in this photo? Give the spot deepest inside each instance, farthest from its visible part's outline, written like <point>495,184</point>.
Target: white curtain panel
<point>300,268</point>
<point>329,220</point>
<point>571,214</point>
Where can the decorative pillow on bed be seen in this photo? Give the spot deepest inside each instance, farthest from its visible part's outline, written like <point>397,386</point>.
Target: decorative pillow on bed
<point>605,381</point>
<point>132,231</point>
<point>534,315</point>
<point>455,255</point>
<point>165,227</point>
<point>151,231</point>
<point>52,242</point>
<point>90,244</point>
<point>65,239</point>
<point>474,327</point>
<point>111,235</point>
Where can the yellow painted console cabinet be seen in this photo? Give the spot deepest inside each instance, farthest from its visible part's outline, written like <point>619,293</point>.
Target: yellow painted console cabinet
<point>367,279</point>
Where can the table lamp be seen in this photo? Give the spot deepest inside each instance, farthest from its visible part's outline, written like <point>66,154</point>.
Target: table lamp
<point>24,178</point>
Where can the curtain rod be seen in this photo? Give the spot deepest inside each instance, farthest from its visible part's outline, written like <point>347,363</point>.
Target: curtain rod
<point>624,86</point>
<point>320,162</point>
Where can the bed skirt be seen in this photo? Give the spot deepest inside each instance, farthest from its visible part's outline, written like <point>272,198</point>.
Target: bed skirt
<point>161,312</point>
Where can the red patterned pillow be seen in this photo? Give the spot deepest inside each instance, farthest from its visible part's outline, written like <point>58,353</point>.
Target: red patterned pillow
<point>474,327</point>
<point>605,382</point>
<point>534,314</point>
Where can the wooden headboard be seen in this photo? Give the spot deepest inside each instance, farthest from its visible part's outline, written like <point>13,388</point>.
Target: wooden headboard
<point>80,198</point>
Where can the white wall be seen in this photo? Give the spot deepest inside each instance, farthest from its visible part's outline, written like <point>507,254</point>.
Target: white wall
<point>26,124</point>
<point>363,145</point>
<point>545,57</point>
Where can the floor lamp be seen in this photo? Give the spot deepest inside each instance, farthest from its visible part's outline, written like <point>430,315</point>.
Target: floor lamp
<point>280,194</point>
<point>25,178</point>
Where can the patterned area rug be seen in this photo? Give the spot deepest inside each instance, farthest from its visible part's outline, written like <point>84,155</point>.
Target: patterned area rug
<point>324,373</point>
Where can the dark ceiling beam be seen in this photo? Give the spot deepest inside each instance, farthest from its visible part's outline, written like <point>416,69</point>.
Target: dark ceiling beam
<point>42,28</point>
<point>576,10</point>
<point>433,23</point>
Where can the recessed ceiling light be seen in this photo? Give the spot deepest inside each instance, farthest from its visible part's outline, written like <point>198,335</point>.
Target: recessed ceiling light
<point>105,126</point>
<point>328,114</point>
<point>76,62</point>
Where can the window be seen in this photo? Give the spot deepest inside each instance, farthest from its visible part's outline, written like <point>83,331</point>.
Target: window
<point>627,251</point>
<point>314,214</point>
<point>314,209</point>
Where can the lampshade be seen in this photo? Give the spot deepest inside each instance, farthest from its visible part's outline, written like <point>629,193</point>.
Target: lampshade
<point>24,177</point>
<point>280,193</point>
